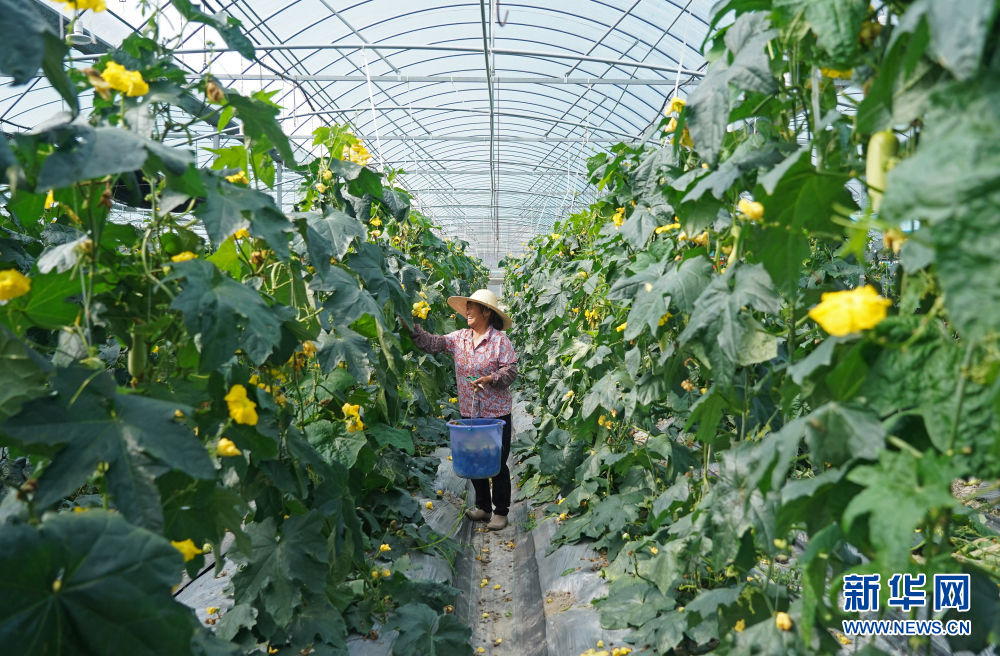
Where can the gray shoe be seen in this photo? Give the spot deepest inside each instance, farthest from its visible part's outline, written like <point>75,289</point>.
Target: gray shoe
<point>497,523</point>
<point>477,514</point>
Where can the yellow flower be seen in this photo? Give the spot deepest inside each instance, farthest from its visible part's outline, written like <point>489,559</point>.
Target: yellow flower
<point>376,221</point>
<point>429,505</point>
<point>842,639</point>
<point>619,217</point>
<point>740,625</point>
<point>50,199</point>
<point>420,309</point>
<point>568,395</point>
<point>676,105</point>
<point>846,312</point>
<point>664,319</point>
<point>893,240</point>
<point>621,651</point>
<point>836,73</point>
<point>241,234</point>
<point>226,448</point>
<point>686,140</point>
<point>654,550</point>
<point>453,400</point>
<point>238,178</point>
<point>183,257</point>
<point>80,509</point>
<point>320,187</point>
<point>327,174</point>
<point>377,233</point>
<point>13,284</point>
<point>309,348</point>
<point>481,650</point>
<point>671,126</point>
<point>621,327</point>
<point>272,650</point>
<point>386,573</point>
<point>212,610</point>
<point>496,586</point>
<point>783,621</point>
<point>384,547</point>
<point>687,385</point>
<point>374,573</point>
<point>664,228</point>
<point>241,409</point>
<point>81,5</point>
<point>128,82</point>
<point>187,548</point>
<point>351,410</point>
<point>555,236</point>
<point>750,209</point>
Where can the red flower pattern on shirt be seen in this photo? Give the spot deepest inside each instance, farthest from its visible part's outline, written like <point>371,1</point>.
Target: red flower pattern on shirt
<point>493,356</point>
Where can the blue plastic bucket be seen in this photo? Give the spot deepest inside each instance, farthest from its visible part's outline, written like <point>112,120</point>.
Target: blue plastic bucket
<point>476,447</point>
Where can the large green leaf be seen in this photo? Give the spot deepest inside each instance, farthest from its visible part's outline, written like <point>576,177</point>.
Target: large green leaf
<point>803,201</point>
<point>422,631</point>
<point>92,423</point>
<point>898,493</point>
<point>227,314</point>
<point>958,32</point>
<point>837,434</point>
<point>719,320</point>
<point>836,23</point>
<point>637,229</point>
<point>386,435</point>
<point>754,153</point>
<point>330,235</point>
<point>280,567</point>
<point>370,265</point>
<point>952,181</point>
<point>631,602</point>
<point>344,345</point>
<point>259,117</point>
<point>229,207</point>
<point>349,301</point>
<point>21,40</point>
<point>747,70</point>
<point>22,374</point>
<point>91,583</point>
<point>203,511</point>
<point>83,153</point>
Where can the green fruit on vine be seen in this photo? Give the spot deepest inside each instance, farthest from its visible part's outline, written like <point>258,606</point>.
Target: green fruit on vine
<point>882,148</point>
<point>137,355</point>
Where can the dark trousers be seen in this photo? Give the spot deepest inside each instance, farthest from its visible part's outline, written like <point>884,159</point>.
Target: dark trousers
<point>500,499</point>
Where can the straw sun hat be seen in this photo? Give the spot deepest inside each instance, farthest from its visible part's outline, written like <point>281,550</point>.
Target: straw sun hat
<point>483,297</point>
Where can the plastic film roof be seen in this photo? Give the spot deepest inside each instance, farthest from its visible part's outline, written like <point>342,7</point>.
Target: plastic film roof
<point>491,108</point>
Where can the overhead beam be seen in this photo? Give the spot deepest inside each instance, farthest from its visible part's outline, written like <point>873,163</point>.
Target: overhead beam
<point>485,138</point>
<point>267,47</point>
<point>487,172</point>
<point>449,79</point>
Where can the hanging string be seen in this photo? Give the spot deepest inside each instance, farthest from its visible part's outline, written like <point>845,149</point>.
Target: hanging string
<point>371,102</point>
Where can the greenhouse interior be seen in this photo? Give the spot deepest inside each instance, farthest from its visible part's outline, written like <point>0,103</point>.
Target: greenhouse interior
<point>586,328</point>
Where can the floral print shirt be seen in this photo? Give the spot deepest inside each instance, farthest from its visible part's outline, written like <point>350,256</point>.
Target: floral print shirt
<point>493,356</point>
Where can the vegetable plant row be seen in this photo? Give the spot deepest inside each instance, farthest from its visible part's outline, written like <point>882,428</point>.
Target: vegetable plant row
<point>762,359</point>
<point>219,367</point>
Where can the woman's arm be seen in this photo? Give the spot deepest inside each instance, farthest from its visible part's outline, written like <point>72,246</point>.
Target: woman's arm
<point>425,341</point>
<point>505,375</point>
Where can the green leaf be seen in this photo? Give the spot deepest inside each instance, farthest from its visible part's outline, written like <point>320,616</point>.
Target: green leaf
<point>229,207</point>
<point>836,23</point>
<point>389,436</point>
<point>22,43</point>
<point>631,602</point>
<point>637,229</point>
<point>83,153</point>
<point>333,442</point>
<point>113,595</point>
<point>718,319</point>
<point>422,631</point>
<point>397,202</point>
<point>370,265</point>
<point>709,104</point>
<point>958,33</point>
<point>93,423</point>
<point>349,300</point>
<point>344,345</point>
<point>898,493</point>
<point>837,434</point>
<point>203,511</point>
<point>228,315</point>
<point>361,179</point>
<point>561,454</point>
<point>754,153</point>
<point>330,235</point>
<point>959,200</point>
<point>259,118</point>
<point>227,27</point>
<point>54,67</point>
<point>22,374</point>
<point>279,567</point>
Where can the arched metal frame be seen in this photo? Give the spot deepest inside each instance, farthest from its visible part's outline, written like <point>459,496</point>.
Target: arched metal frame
<point>490,123</point>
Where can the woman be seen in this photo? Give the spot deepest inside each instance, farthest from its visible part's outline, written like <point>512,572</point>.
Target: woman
<point>483,352</point>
